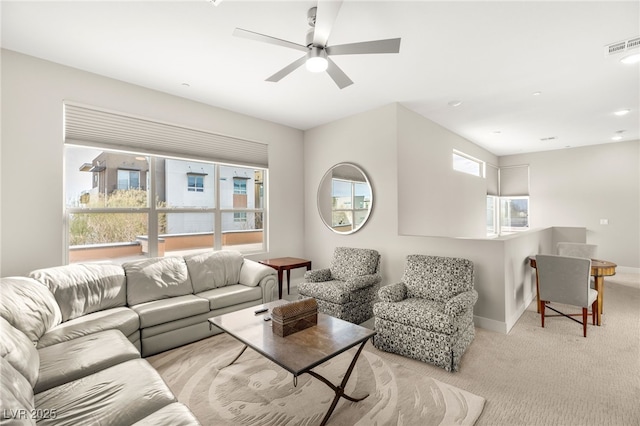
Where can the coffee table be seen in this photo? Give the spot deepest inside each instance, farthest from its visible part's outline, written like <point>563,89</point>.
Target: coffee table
<point>300,352</point>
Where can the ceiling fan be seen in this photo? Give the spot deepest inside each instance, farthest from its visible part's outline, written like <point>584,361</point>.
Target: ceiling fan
<point>317,52</point>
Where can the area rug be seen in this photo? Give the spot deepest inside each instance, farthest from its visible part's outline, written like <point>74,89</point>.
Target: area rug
<point>255,391</point>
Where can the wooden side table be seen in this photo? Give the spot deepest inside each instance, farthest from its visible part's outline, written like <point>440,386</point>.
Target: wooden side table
<point>281,264</point>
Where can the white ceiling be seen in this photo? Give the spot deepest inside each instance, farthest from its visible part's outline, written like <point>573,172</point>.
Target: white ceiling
<point>492,56</point>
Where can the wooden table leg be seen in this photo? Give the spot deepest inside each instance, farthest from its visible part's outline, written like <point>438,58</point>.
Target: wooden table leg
<point>288,280</point>
<point>279,283</point>
<point>537,292</point>
<point>599,284</point>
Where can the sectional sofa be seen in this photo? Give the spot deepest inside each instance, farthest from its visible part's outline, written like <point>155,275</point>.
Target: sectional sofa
<point>72,336</point>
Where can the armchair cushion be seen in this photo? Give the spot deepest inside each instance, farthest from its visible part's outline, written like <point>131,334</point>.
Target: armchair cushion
<point>318,275</point>
<point>352,262</point>
<point>437,278</point>
<point>393,292</point>
<point>332,291</point>
<point>420,313</point>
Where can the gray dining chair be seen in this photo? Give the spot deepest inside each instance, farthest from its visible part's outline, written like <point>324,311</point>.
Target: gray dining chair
<point>565,279</point>
<point>589,251</point>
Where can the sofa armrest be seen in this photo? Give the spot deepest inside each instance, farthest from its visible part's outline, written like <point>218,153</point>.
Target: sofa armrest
<point>363,281</point>
<point>393,292</point>
<point>461,302</point>
<point>269,285</point>
<point>252,272</point>
<point>318,275</point>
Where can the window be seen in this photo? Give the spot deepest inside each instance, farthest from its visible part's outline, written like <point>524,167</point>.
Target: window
<point>466,164</point>
<point>110,216</point>
<point>128,179</point>
<point>514,214</point>
<point>492,215</point>
<point>195,183</point>
<point>239,185</point>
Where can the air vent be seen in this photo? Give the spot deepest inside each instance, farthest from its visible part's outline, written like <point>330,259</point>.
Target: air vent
<point>622,46</point>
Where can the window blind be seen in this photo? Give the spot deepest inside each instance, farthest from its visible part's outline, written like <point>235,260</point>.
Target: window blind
<point>492,179</point>
<point>514,181</point>
<point>89,126</point>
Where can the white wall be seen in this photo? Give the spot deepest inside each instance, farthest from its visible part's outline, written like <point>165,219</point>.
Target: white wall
<point>369,140</point>
<point>434,199</point>
<point>31,185</point>
<point>503,277</point>
<point>578,187</point>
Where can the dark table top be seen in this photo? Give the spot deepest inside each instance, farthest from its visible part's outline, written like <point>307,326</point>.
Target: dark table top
<point>298,352</point>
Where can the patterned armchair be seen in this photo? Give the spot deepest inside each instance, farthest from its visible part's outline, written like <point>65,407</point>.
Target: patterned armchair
<point>348,288</point>
<point>428,316</point>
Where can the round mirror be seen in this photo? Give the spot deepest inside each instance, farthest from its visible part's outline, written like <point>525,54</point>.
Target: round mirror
<point>345,198</point>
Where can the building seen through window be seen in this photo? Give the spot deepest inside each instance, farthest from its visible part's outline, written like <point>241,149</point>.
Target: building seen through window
<point>110,214</point>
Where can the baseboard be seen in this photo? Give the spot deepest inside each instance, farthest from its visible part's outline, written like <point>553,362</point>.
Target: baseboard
<point>499,326</point>
<point>490,324</point>
<point>634,276</point>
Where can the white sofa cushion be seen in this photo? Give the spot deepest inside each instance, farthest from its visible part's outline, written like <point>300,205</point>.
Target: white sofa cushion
<point>19,351</point>
<point>84,288</point>
<point>29,306</point>
<point>156,278</point>
<point>214,269</point>
<point>71,360</point>
<point>168,310</point>
<point>119,395</point>
<point>231,295</point>
<point>123,319</point>
<point>16,396</point>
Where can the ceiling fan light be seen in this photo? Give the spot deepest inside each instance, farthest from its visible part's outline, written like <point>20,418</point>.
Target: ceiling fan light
<point>317,60</point>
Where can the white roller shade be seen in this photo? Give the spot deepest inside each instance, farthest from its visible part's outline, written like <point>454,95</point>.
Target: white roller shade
<point>514,181</point>
<point>88,126</point>
<point>492,179</point>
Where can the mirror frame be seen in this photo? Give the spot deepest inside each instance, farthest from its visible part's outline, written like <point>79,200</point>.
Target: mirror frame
<point>329,175</point>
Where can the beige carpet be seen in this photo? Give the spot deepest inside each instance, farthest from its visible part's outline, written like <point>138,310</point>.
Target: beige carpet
<point>255,391</point>
<point>553,375</point>
<point>535,376</point>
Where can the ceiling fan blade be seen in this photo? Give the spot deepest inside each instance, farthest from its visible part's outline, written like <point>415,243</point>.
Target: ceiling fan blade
<point>338,76</point>
<point>391,45</point>
<point>239,32</point>
<point>326,14</point>
<point>287,70</point>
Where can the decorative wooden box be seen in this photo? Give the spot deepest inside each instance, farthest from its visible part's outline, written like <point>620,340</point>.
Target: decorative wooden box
<point>295,316</point>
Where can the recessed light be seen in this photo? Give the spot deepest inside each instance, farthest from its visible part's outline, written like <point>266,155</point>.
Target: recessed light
<point>618,135</point>
<point>496,132</point>
<point>536,93</point>
<point>622,112</point>
<point>549,138</point>
<point>631,59</point>
<point>455,103</point>
<point>186,85</point>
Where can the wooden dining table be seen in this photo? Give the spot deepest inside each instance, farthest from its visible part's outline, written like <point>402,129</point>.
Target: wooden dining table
<point>599,270</point>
